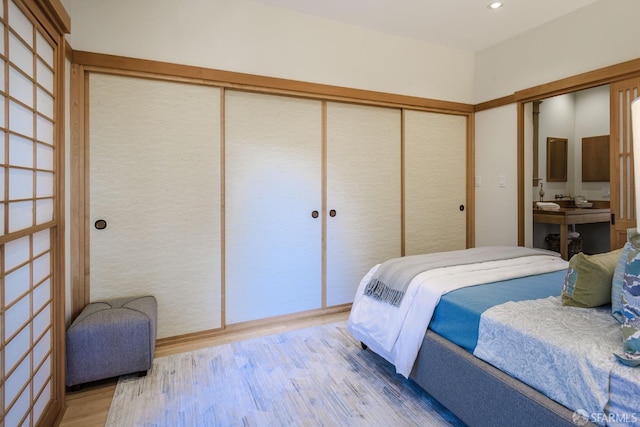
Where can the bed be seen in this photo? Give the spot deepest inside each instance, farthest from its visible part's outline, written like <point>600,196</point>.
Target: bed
<point>472,328</point>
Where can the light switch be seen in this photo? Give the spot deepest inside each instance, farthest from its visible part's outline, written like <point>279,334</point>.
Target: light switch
<point>502,181</point>
<point>478,181</point>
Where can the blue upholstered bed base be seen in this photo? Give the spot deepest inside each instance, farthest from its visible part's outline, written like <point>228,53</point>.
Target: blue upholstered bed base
<point>475,391</point>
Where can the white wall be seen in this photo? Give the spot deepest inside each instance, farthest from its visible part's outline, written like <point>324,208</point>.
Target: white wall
<point>601,34</point>
<point>497,218</point>
<point>604,33</point>
<point>250,37</point>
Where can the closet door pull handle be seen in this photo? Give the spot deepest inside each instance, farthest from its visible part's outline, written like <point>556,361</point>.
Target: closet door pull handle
<point>315,214</point>
<point>332,213</point>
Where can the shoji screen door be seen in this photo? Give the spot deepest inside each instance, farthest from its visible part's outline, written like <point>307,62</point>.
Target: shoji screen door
<point>435,171</point>
<point>273,186</point>
<point>28,224</point>
<point>622,168</point>
<point>155,180</point>
<point>363,194</point>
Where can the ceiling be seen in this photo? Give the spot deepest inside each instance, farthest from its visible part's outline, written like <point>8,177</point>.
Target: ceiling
<point>463,24</point>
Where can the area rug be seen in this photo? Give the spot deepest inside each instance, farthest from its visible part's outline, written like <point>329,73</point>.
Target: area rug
<point>317,376</point>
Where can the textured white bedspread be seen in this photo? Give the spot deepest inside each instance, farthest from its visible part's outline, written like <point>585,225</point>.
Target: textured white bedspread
<point>566,353</point>
<point>396,333</point>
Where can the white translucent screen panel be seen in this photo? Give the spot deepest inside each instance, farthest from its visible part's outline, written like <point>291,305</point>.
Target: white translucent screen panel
<point>41,268</point>
<point>44,184</point>
<point>435,182</point>
<point>16,348</point>
<point>45,103</point>
<point>44,157</point>
<point>41,242</point>
<point>363,187</point>
<point>16,253</point>
<point>20,55</point>
<point>42,294</point>
<point>44,75</point>
<point>20,24</point>
<point>20,216</point>
<point>20,408</point>
<point>155,179</point>
<point>21,119</point>
<point>16,316</point>
<point>2,37</point>
<point>16,284</point>
<point>45,395</point>
<point>273,184</point>
<point>20,151</point>
<point>42,375</point>
<point>13,385</point>
<point>44,129</point>
<point>45,51</point>
<point>3,107</point>
<point>20,184</point>
<point>20,87</point>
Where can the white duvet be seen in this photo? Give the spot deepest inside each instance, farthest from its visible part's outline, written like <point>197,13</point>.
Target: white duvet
<point>396,333</point>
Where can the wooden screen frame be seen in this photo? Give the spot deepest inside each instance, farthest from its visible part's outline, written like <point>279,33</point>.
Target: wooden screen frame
<point>53,22</point>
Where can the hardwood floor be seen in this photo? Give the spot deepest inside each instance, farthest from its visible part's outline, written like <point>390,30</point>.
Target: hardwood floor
<point>89,406</point>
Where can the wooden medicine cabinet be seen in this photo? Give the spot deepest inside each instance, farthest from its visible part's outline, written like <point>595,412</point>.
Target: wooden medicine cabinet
<point>595,159</point>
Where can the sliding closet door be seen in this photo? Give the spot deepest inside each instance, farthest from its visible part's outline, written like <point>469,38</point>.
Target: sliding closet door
<point>435,182</point>
<point>363,190</point>
<point>155,179</point>
<point>273,147</point>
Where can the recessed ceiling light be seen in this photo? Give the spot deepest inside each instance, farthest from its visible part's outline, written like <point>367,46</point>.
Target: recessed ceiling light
<point>495,5</point>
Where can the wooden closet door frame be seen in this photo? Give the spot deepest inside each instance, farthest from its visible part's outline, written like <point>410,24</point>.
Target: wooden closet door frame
<point>86,62</point>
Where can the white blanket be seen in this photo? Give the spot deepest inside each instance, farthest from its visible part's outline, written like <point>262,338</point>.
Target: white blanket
<point>396,333</point>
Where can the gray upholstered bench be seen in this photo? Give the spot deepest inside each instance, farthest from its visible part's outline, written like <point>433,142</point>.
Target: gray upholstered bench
<point>111,338</point>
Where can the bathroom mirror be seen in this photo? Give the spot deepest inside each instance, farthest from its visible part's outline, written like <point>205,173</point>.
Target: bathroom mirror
<point>557,153</point>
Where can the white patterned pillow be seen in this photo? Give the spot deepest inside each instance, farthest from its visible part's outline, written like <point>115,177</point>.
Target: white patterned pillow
<point>618,277</point>
<point>631,307</point>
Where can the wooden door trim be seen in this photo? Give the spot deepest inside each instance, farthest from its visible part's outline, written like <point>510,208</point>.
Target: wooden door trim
<point>133,66</point>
